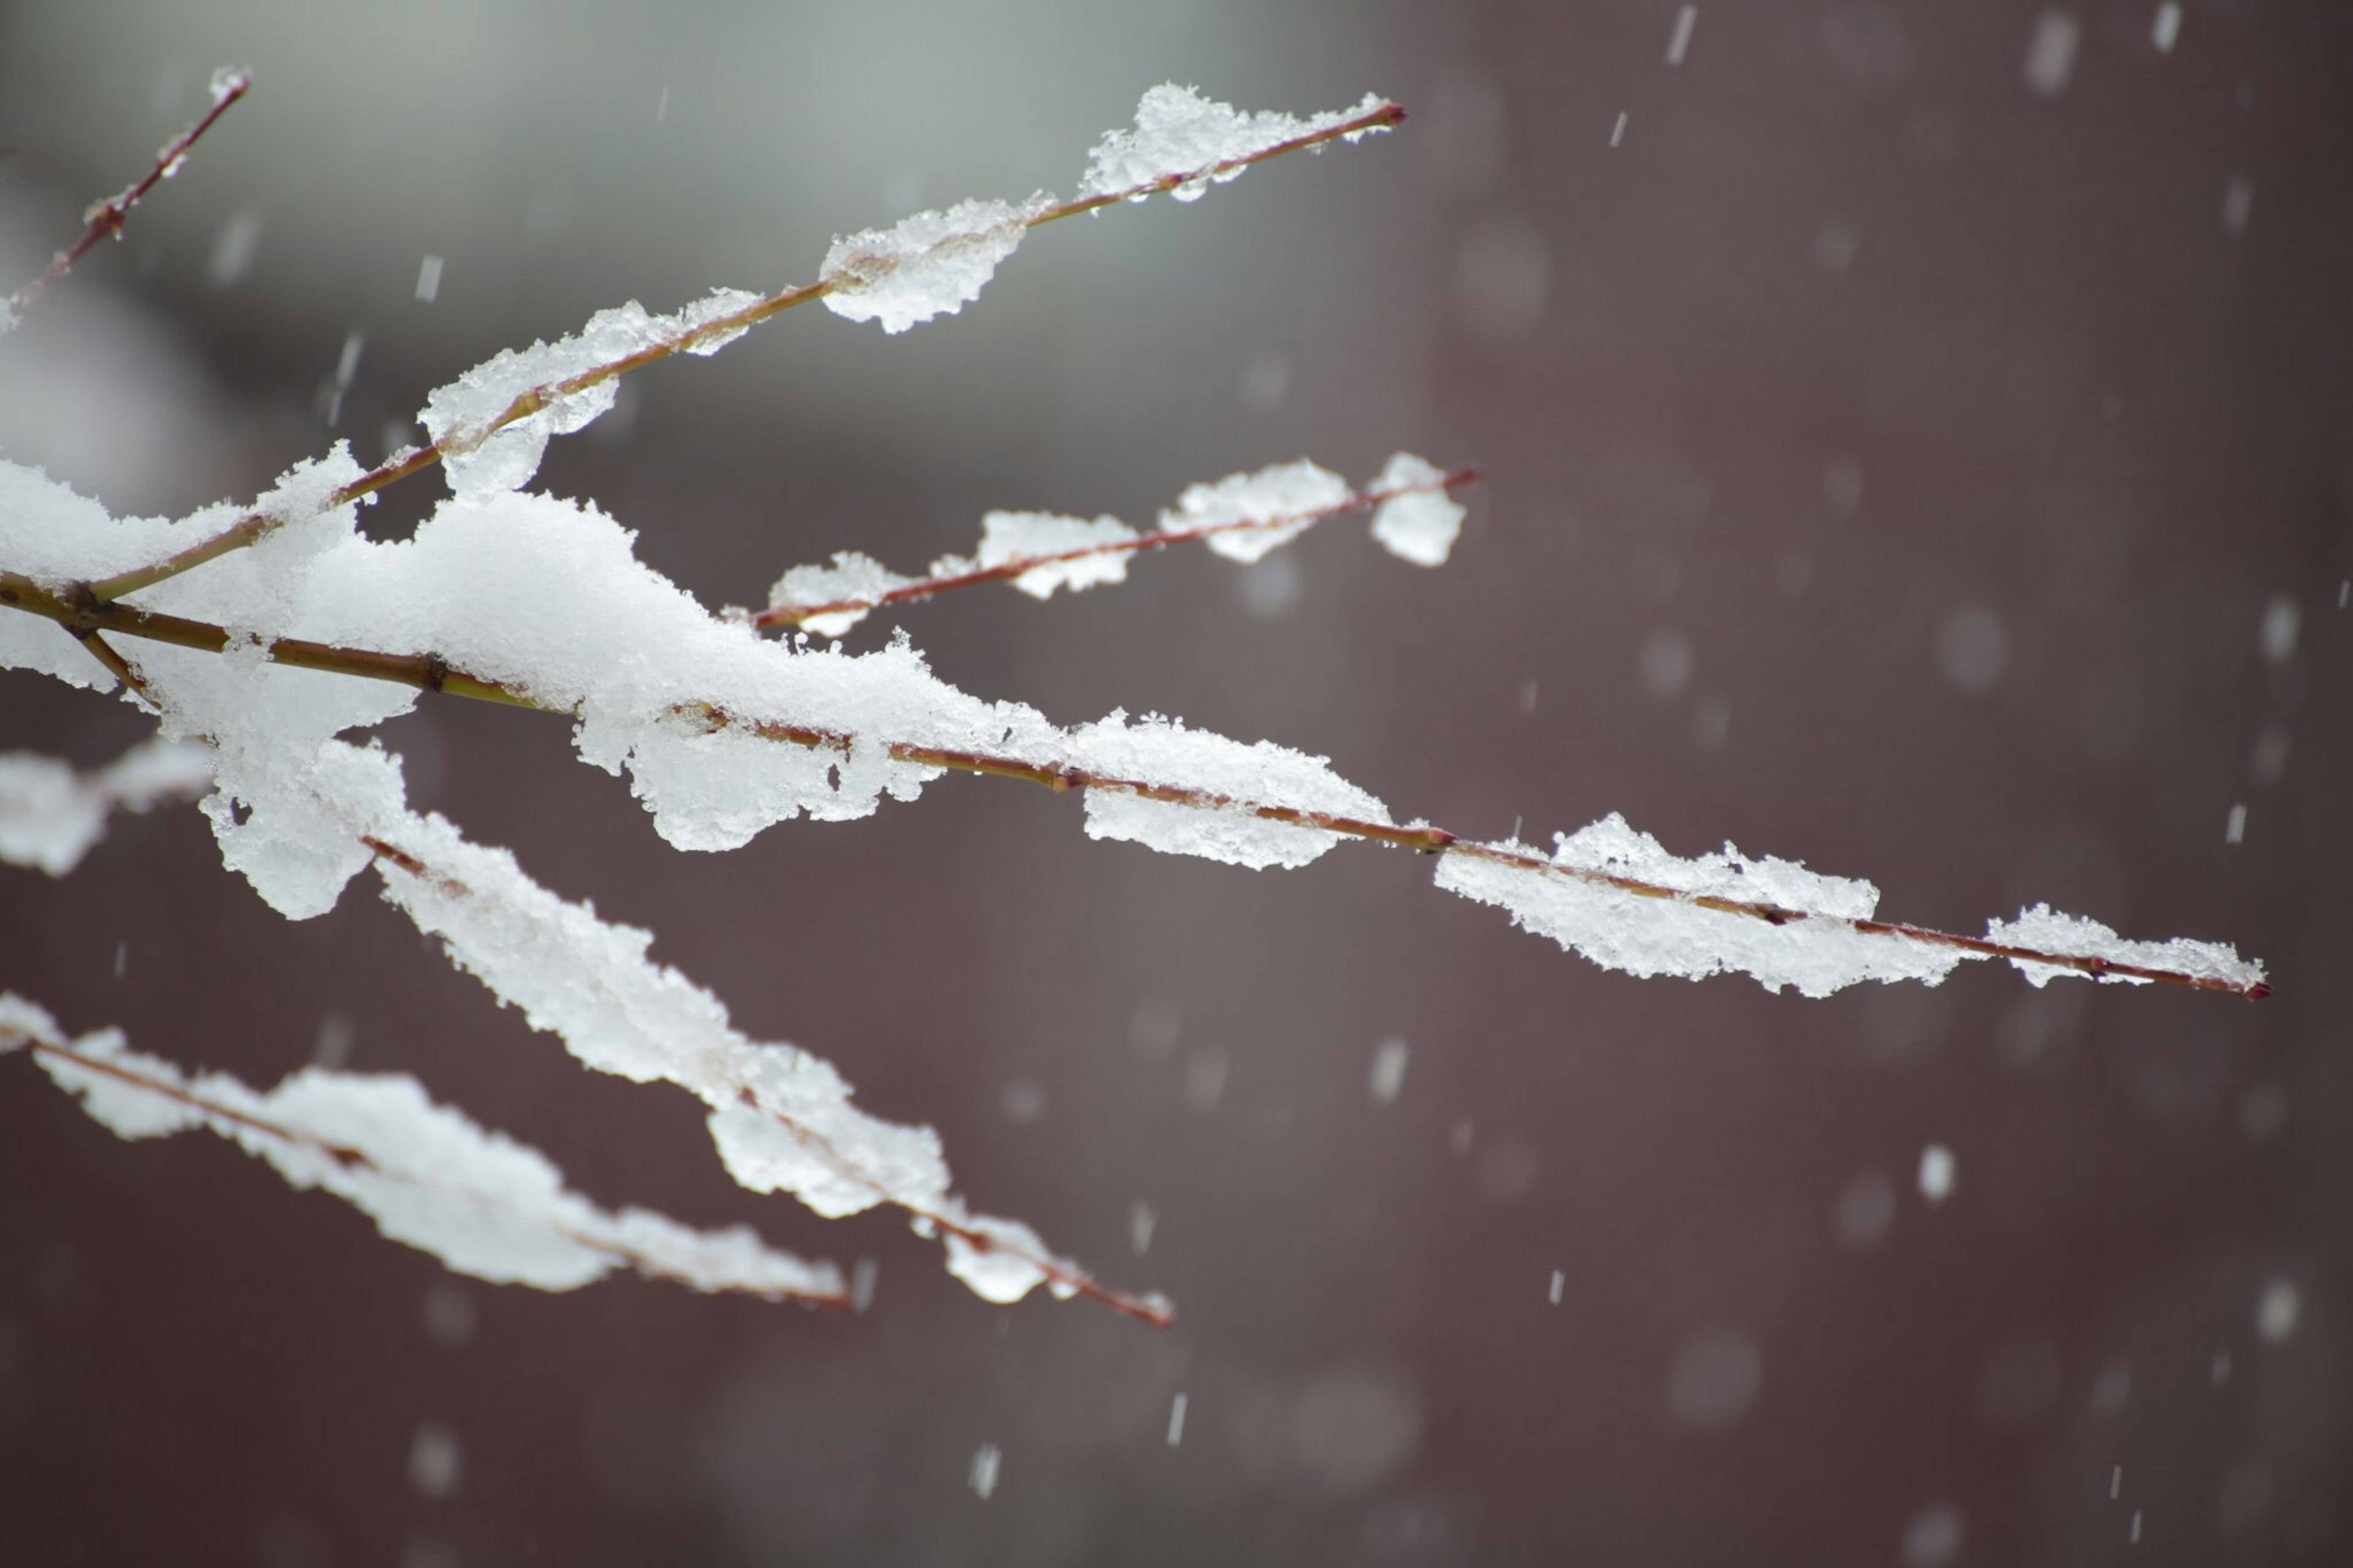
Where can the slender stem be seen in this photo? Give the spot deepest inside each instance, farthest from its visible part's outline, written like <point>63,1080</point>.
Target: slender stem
<point>107,655</point>
<point>350,1159</point>
<point>431,673</point>
<point>255,526</point>
<point>108,217</point>
<point>1004,571</point>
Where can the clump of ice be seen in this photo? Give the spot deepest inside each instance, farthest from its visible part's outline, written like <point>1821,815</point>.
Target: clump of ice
<point>2044,927</point>
<point>1421,525</point>
<point>933,264</point>
<point>430,1177</point>
<point>1010,536</point>
<point>1179,133</point>
<point>1299,491</point>
<point>478,461</point>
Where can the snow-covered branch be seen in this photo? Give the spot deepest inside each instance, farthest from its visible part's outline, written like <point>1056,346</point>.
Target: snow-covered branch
<point>1243,517</point>
<point>431,1178</point>
<point>108,214</point>
<point>265,633</point>
<point>490,427</point>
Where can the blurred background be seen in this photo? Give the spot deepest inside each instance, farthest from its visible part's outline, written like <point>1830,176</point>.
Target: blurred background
<point>1919,441</point>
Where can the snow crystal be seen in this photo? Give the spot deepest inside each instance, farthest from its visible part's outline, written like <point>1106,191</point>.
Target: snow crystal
<point>435,1460</point>
<point>2277,1311</point>
<point>1011,536</point>
<point>1179,133</point>
<point>229,81</point>
<point>2051,53</point>
<point>1421,526</point>
<point>2041,927</point>
<point>983,1470</point>
<point>1679,45</point>
<point>432,1178</point>
<point>1299,491</point>
<point>235,249</point>
<point>853,579</point>
<point>461,413</point>
<point>933,264</point>
<point>1937,1173</point>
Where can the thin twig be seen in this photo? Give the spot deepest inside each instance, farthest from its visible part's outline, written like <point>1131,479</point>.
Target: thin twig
<point>351,1158</point>
<point>108,217</point>
<point>1004,571</point>
<point>256,526</point>
<point>429,672</point>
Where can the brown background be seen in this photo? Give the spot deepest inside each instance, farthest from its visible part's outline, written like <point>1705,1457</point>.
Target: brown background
<point>1854,348</point>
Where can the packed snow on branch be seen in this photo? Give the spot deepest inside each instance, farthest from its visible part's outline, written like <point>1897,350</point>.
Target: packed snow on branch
<point>478,461</point>
<point>1179,132</point>
<point>935,263</point>
<point>1580,900</point>
<point>2046,930</point>
<point>429,1177</point>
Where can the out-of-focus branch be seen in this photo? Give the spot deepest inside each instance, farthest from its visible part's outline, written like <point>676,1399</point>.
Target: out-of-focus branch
<point>256,526</point>
<point>107,217</point>
<point>1006,571</point>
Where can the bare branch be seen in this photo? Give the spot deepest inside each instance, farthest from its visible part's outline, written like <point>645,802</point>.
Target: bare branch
<point>107,217</point>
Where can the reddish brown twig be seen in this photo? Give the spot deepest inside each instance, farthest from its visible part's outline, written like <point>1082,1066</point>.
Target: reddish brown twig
<point>1004,570</point>
<point>255,526</point>
<point>107,217</point>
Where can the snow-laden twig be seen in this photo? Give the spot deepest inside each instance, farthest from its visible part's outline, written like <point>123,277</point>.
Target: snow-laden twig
<point>429,1176</point>
<point>50,816</point>
<point>1243,517</point>
<point>692,705</point>
<point>782,1119</point>
<point>490,426</point>
<point>107,216</point>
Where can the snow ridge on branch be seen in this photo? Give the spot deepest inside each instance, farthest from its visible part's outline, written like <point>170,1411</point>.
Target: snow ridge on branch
<point>431,1178</point>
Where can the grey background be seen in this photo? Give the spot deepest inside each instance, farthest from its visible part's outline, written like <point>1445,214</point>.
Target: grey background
<point>1889,466</point>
